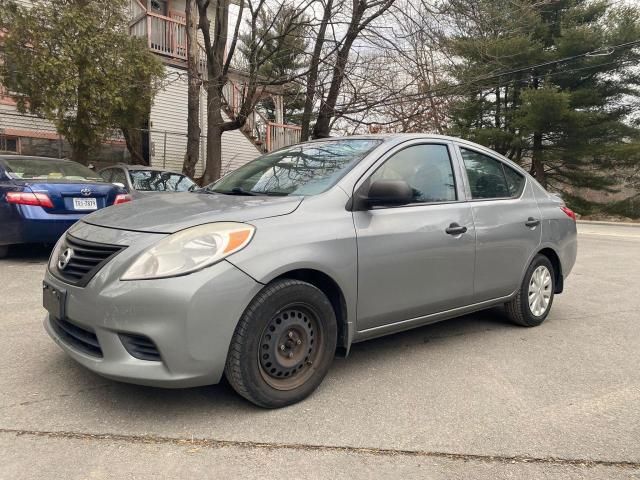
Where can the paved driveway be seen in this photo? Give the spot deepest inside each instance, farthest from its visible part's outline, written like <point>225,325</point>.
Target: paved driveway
<point>473,397</point>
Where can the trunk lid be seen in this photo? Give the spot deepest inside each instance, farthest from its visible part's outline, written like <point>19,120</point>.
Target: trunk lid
<point>63,193</point>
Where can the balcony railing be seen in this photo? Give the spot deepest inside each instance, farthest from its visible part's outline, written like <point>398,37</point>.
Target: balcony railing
<point>165,35</point>
<point>266,134</point>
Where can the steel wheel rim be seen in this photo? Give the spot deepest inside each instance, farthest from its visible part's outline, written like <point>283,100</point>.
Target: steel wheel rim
<point>290,347</point>
<point>540,290</point>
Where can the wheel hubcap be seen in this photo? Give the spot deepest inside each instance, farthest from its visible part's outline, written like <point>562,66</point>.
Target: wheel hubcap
<point>289,347</point>
<point>540,291</point>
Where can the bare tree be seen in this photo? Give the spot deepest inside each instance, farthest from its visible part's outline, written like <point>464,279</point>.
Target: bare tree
<point>363,13</point>
<point>193,91</point>
<point>219,64</point>
<point>314,65</point>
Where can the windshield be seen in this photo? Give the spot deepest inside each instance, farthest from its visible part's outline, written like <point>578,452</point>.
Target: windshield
<point>49,169</point>
<point>159,181</point>
<point>306,169</point>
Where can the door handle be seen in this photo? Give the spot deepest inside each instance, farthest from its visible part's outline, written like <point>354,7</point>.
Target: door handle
<point>532,222</point>
<point>455,229</point>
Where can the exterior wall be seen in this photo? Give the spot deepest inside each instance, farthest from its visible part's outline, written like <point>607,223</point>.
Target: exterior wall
<point>169,119</point>
<point>30,135</point>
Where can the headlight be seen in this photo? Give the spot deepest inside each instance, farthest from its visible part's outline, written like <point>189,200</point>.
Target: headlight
<point>55,253</point>
<point>189,250</point>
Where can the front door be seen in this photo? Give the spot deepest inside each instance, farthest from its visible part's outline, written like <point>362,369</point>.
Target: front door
<point>408,264</point>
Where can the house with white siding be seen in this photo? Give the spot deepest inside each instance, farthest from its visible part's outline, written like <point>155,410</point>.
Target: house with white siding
<point>163,24</point>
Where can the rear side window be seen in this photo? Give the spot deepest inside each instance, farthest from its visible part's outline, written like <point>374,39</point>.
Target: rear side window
<point>106,174</point>
<point>118,176</point>
<point>487,177</point>
<point>515,181</point>
<point>426,168</point>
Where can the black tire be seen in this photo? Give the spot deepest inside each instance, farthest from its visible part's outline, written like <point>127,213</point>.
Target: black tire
<point>4,251</point>
<point>293,315</point>
<point>518,309</point>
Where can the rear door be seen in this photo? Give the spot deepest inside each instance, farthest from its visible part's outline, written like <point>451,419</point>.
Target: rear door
<point>408,265</point>
<point>507,222</point>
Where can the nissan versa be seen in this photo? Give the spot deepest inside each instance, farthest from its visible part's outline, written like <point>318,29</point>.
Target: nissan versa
<point>265,274</point>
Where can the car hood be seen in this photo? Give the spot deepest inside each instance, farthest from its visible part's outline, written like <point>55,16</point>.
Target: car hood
<point>170,213</point>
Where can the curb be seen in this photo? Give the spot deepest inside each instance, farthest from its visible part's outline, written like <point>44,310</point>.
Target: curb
<point>602,222</point>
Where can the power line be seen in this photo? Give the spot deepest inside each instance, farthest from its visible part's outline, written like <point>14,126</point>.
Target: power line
<point>448,90</point>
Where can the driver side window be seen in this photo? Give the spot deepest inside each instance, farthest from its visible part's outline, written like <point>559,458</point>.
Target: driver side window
<point>426,168</point>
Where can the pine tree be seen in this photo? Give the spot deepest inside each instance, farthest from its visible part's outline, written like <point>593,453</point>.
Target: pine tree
<point>284,34</point>
<point>74,63</point>
<point>551,85</point>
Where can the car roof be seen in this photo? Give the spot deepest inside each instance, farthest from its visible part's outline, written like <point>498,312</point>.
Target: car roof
<point>29,157</point>
<point>126,166</point>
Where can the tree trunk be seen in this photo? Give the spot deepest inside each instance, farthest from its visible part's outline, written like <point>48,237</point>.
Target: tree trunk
<point>312,76</point>
<point>193,92</point>
<point>216,79</point>
<point>133,137</point>
<point>214,135</point>
<point>80,152</point>
<point>322,128</point>
<point>537,165</point>
<point>79,136</point>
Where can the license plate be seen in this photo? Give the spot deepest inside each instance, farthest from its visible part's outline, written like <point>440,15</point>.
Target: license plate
<point>53,300</point>
<point>85,204</point>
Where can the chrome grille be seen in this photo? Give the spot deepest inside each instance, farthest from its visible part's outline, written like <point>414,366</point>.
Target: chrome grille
<point>85,261</point>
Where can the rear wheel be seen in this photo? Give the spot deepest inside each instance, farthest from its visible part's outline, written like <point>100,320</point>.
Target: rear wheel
<point>283,345</point>
<point>4,251</point>
<point>532,303</point>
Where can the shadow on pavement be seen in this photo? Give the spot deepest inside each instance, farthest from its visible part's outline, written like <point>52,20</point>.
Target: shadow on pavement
<point>31,253</point>
<point>135,400</point>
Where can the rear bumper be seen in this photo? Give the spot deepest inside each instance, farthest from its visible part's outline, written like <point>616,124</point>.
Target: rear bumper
<point>190,319</point>
<point>32,224</point>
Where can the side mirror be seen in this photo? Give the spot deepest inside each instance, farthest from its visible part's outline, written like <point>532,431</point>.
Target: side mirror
<point>388,193</point>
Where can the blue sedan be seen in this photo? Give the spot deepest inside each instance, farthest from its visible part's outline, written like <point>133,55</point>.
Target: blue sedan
<point>40,198</point>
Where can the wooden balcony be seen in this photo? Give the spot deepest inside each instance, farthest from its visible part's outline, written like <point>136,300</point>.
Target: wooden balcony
<point>167,37</point>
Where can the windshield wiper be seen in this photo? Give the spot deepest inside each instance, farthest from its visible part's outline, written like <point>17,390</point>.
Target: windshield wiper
<point>237,191</point>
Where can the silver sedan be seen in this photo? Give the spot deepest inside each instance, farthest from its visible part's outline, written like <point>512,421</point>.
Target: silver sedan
<point>266,274</point>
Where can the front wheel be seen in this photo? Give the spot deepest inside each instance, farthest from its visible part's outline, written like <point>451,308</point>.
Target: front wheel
<point>4,251</point>
<point>532,303</point>
<point>283,345</point>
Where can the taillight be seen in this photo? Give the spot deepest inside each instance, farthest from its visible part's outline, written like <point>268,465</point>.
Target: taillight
<point>28,198</point>
<point>570,213</point>
<point>122,198</point>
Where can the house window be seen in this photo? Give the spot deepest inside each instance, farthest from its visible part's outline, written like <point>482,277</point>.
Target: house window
<point>159,6</point>
<point>9,144</point>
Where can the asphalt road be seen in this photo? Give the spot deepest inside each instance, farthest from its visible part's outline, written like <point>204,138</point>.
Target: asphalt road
<point>473,397</point>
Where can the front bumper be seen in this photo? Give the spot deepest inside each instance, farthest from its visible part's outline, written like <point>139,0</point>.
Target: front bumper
<point>190,319</point>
